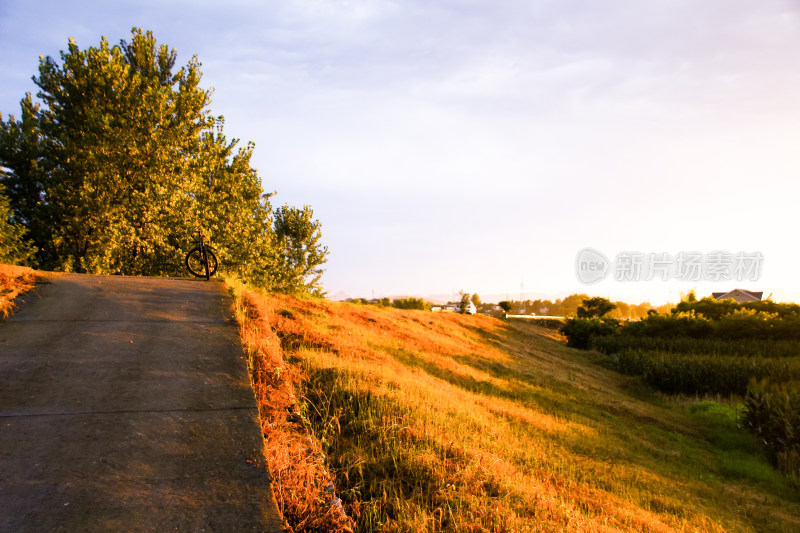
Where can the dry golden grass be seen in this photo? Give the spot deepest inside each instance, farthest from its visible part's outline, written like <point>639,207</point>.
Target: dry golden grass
<point>14,281</point>
<point>444,422</point>
<point>302,485</point>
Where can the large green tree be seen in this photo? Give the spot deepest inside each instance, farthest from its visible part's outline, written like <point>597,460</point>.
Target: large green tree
<point>120,159</point>
<point>13,248</point>
<point>296,251</point>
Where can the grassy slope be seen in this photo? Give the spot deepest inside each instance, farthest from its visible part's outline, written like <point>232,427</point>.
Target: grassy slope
<point>434,421</point>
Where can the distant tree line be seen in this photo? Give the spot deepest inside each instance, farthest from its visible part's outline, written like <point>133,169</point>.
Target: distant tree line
<point>118,159</point>
<point>399,303</point>
<point>569,306</point>
<point>703,319</point>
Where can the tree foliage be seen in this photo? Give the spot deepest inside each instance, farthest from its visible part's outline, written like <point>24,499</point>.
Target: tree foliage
<point>13,247</point>
<point>463,301</point>
<point>297,252</point>
<point>410,303</point>
<point>714,309</point>
<point>596,307</point>
<point>120,159</point>
<point>581,331</point>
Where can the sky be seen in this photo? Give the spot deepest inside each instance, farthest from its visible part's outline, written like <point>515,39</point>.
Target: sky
<point>483,145</point>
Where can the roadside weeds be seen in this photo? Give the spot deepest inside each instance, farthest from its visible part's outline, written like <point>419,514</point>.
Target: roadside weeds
<point>302,485</point>
<point>14,282</point>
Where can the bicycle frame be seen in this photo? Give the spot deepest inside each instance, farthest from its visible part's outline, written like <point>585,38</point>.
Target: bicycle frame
<point>201,255</point>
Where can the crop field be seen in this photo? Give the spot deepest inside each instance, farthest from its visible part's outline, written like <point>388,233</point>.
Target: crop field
<point>380,419</point>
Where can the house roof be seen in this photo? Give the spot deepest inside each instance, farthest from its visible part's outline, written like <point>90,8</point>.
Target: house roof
<point>740,295</point>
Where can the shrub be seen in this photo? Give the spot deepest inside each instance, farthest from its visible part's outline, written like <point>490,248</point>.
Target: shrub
<point>715,309</point>
<point>708,307</point>
<point>741,323</point>
<point>410,303</point>
<point>580,331</point>
<point>677,325</point>
<point>745,324</point>
<point>787,327</point>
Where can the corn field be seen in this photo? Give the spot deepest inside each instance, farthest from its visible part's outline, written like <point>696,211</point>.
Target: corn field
<point>772,412</point>
<point>746,354</point>
<point>610,344</point>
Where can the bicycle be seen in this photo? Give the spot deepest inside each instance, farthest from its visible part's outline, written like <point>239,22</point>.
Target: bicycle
<point>201,260</point>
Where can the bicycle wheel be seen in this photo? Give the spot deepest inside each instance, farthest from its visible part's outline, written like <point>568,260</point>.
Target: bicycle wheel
<point>212,261</point>
<point>196,265</point>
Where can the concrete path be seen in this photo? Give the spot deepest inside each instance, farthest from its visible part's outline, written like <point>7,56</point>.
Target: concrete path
<point>125,405</point>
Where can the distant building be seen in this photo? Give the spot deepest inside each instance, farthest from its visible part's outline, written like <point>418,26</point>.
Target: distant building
<point>739,295</point>
<point>455,308</point>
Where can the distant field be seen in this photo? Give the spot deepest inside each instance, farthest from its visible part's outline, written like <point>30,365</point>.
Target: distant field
<point>445,422</point>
